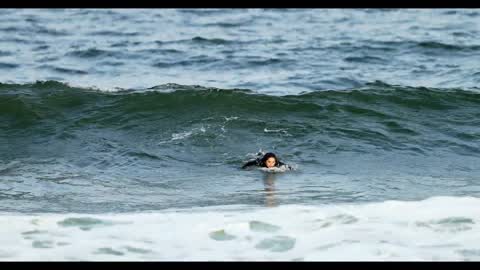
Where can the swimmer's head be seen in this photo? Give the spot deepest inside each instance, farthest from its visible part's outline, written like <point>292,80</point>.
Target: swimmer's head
<point>269,160</point>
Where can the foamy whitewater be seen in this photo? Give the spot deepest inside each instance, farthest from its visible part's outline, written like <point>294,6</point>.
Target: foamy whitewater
<point>439,228</point>
<point>123,133</point>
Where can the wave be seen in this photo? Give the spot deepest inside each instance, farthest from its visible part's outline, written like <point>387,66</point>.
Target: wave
<point>378,115</point>
<point>387,47</point>
<point>8,65</point>
<point>92,53</point>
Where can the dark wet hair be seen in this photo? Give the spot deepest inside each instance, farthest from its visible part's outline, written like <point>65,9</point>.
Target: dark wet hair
<point>266,157</point>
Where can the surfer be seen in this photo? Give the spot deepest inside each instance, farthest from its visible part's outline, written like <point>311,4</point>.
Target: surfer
<point>269,160</point>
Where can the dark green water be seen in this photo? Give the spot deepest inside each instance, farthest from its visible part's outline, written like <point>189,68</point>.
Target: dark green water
<point>119,110</point>
<point>182,146</point>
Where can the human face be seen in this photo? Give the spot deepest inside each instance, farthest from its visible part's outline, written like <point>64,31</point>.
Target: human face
<point>270,162</point>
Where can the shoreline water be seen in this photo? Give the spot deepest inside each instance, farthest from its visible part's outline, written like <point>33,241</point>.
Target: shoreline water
<point>435,229</point>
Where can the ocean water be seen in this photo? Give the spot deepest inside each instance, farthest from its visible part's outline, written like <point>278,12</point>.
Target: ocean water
<point>122,134</point>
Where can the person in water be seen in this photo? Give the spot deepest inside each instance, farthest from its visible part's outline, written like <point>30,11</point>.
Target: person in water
<point>269,160</point>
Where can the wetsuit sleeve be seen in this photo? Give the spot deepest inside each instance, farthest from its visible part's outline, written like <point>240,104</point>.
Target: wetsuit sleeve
<point>250,163</point>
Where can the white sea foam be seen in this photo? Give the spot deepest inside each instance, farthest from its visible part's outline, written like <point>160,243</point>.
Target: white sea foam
<point>230,118</point>
<point>279,169</point>
<point>182,135</point>
<point>185,134</point>
<point>284,131</point>
<point>438,228</point>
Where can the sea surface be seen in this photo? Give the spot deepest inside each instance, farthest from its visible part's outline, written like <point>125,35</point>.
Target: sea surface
<point>122,134</point>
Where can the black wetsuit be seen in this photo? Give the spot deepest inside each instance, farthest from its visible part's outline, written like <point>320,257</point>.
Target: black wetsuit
<point>258,162</point>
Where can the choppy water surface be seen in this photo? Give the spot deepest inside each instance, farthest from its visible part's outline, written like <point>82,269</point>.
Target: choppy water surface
<point>112,121</point>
